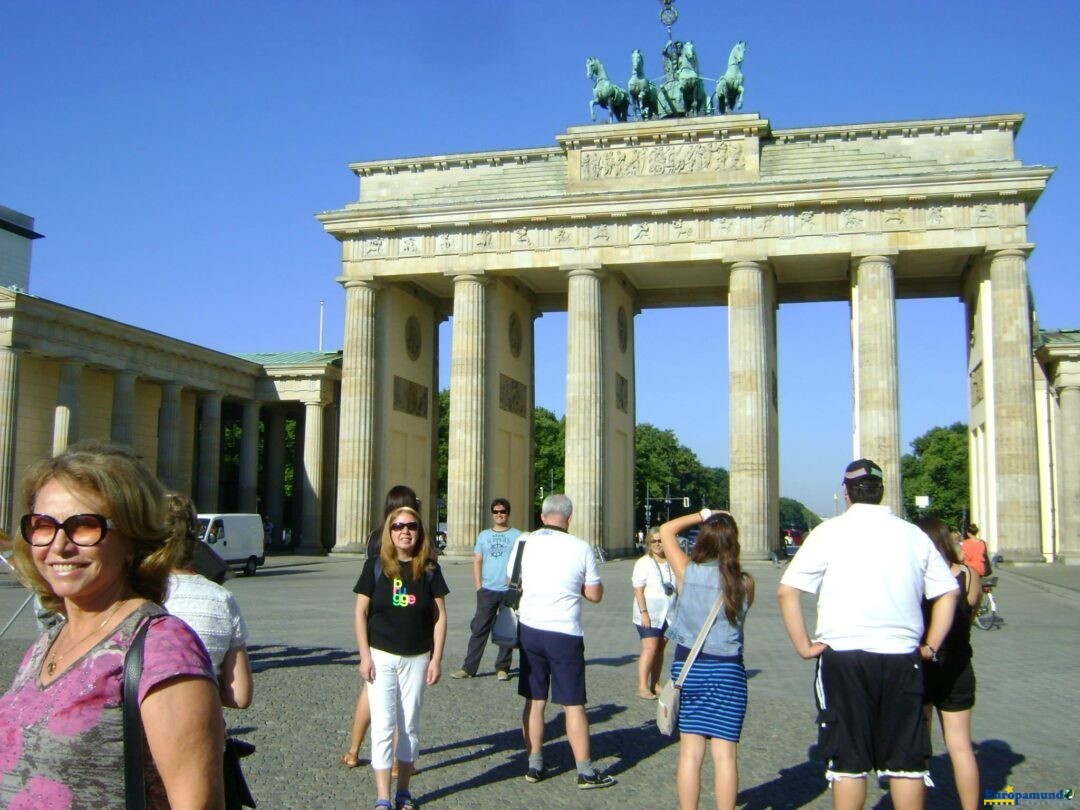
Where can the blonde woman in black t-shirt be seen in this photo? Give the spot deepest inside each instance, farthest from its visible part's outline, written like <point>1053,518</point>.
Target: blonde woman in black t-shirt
<point>401,632</point>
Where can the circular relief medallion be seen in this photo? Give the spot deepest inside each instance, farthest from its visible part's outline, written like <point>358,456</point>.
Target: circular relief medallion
<point>621,324</point>
<point>412,337</point>
<point>515,334</point>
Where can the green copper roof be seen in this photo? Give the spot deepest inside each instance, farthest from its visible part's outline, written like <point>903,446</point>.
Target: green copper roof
<point>294,358</point>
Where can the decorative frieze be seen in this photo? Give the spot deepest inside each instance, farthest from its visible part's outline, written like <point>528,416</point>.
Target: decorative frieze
<point>513,396</point>
<point>664,160</point>
<point>622,393</point>
<point>410,397</point>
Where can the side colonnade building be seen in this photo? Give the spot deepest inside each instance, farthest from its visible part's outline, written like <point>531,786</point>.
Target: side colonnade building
<point>712,211</point>
<point>66,374</point>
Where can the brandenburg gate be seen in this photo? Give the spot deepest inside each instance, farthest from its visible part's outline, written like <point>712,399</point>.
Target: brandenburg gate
<point>705,211</point>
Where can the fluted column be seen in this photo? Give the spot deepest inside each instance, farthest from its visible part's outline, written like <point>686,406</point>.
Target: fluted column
<point>9,388</point>
<point>122,429</point>
<point>311,533</point>
<point>465,487</point>
<point>873,357</point>
<point>585,402</point>
<point>66,413</point>
<point>275,470</point>
<point>1069,468</point>
<point>1015,446</point>
<point>168,459</point>
<point>356,445</point>
<point>753,427</point>
<point>209,453</point>
<point>249,457</point>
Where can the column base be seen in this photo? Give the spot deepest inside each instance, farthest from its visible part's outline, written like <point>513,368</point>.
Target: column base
<point>349,548</point>
<point>1019,558</point>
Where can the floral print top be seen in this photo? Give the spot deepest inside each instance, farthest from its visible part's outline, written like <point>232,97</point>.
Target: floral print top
<point>62,745</point>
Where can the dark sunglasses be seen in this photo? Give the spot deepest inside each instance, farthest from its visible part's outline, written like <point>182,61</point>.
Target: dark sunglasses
<point>412,526</point>
<point>82,530</point>
<point>500,511</point>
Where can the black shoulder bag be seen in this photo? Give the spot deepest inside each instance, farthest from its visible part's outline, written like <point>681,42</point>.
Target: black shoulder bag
<point>237,794</point>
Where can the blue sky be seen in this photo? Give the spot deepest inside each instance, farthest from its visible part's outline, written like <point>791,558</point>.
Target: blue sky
<point>174,155</point>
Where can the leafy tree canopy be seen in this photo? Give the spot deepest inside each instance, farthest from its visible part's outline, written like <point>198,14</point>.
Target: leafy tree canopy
<point>938,467</point>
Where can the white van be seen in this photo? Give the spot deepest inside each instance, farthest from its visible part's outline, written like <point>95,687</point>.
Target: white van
<point>237,539</point>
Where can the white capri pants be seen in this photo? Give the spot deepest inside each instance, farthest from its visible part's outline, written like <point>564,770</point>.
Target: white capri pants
<point>395,697</point>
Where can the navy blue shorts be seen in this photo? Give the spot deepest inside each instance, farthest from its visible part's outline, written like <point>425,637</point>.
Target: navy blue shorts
<point>551,660</point>
<point>650,632</point>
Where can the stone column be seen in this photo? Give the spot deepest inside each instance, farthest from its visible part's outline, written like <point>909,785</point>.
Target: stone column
<point>66,413</point>
<point>249,458</point>
<point>585,402</point>
<point>122,429</point>
<point>9,388</point>
<point>208,496</point>
<point>356,445</point>
<point>275,470</point>
<point>1069,467</point>
<point>465,487</point>
<point>753,424</point>
<point>311,531</point>
<point>168,459</point>
<point>873,358</point>
<point>1015,446</point>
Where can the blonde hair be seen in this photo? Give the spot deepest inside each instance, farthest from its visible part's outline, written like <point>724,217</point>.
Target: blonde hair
<point>422,552</point>
<point>133,500</point>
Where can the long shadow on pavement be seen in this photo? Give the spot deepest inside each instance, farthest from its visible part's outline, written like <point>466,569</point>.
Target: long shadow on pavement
<point>275,656</point>
<point>516,762</point>
<point>794,787</point>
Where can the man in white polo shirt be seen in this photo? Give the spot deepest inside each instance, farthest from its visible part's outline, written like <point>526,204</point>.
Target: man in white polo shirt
<point>871,571</point>
<point>557,570</point>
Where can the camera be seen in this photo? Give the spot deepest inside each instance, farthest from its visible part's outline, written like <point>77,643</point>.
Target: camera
<point>669,589</point>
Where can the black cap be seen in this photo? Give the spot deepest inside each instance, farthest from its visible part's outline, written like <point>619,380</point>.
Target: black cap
<point>860,470</point>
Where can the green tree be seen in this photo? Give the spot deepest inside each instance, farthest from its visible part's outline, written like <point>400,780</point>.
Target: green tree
<point>938,467</point>
<point>667,472</point>
<point>794,515</point>
<point>550,448</point>
<point>443,451</point>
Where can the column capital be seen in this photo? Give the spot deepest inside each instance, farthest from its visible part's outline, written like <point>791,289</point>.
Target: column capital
<point>477,276</point>
<point>878,256</point>
<point>583,269</point>
<point>1017,251</point>
<point>365,283</point>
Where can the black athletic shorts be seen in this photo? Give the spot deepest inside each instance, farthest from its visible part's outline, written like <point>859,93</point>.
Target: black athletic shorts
<point>870,714</point>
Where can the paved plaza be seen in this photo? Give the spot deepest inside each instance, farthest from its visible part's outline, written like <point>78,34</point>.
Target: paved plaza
<point>299,611</point>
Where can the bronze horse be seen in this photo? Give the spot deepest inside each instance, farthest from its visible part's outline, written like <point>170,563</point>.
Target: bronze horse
<point>605,92</point>
<point>644,97</point>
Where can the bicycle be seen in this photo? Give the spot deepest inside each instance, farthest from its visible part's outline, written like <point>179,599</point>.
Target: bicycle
<point>600,554</point>
<point>986,610</point>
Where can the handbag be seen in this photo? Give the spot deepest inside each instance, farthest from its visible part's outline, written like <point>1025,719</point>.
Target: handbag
<point>237,793</point>
<point>667,703</point>
<point>504,632</point>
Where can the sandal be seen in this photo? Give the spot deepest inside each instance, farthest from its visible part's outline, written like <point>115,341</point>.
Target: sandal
<point>350,760</point>
<point>646,695</point>
<point>404,801</point>
<point>383,804</point>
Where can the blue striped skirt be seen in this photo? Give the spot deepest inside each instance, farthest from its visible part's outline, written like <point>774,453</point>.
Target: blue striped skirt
<point>712,701</point>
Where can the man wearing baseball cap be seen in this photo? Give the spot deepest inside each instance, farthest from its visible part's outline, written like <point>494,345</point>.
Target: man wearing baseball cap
<point>870,570</point>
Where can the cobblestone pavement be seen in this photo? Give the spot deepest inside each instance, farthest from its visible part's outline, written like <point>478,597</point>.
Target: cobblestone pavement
<point>299,610</point>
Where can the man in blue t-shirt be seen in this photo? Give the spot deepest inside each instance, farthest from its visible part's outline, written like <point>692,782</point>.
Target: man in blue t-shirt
<point>489,575</point>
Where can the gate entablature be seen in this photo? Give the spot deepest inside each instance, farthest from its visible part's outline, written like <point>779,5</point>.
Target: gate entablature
<point>662,200</point>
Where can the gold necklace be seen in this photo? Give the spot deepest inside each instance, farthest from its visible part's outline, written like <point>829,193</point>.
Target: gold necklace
<point>50,668</point>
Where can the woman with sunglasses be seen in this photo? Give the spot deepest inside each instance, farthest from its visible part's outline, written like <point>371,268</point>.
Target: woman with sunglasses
<point>401,632</point>
<point>712,701</point>
<point>95,551</point>
<point>397,497</point>
<point>654,601</point>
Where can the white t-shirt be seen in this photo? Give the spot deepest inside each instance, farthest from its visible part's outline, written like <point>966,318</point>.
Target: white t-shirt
<point>210,610</point>
<point>871,571</point>
<point>652,574</point>
<point>555,566</point>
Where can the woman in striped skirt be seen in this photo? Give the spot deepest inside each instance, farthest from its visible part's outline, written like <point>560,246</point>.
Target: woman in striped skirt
<point>712,702</point>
